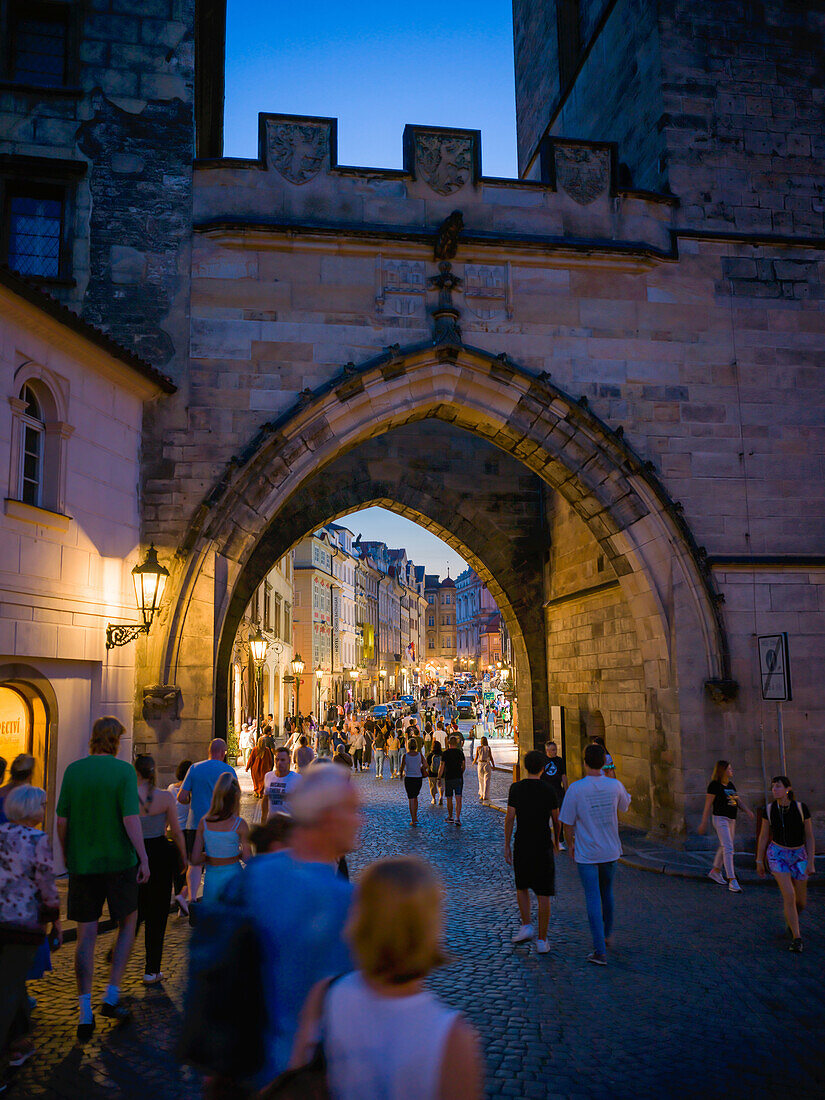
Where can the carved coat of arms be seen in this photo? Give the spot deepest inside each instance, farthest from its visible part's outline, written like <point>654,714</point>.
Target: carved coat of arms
<point>297,150</point>
<point>582,173</point>
<point>444,163</point>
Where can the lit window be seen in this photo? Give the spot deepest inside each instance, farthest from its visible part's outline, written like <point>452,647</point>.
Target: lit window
<point>35,232</point>
<point>31,467</point>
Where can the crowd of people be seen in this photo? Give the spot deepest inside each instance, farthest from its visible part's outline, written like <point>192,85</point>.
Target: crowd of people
<point>342,967</point>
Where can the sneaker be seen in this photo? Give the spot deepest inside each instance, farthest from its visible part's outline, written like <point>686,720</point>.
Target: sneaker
<point>562,846</point>
<point>183,904</point>
<point>152,979</point>
<point>542,947</point>
<point>734,887</point>
<point>597,959</point>
<point>85,1031</point>
<point>525,933</point>
<point>715,875</point>
<point>117,1012</point>
<point>21,1054</point>
<point>796,946</point>
<point>432,801</point>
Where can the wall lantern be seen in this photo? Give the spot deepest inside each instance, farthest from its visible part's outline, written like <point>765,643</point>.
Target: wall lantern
<point>257,647</point>
<point>297,665</point>
<point>150,579</point>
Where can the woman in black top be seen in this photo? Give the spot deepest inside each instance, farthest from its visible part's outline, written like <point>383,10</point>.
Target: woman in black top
<point>724,801</point>
<point>786,844</point>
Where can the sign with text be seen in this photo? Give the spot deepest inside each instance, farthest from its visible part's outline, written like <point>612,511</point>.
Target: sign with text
<point>14,724</point>
<point>774,666</point>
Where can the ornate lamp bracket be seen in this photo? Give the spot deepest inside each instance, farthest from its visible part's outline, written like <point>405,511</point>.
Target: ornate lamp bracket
<point>123,633</point>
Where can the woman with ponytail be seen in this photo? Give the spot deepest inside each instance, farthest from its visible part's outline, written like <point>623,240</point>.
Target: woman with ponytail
<point>786,846</point>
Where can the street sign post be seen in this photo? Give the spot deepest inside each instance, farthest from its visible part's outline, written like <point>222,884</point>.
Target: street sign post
<point>775,679</point>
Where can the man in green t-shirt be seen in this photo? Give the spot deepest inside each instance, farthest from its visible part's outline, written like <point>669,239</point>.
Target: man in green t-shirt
<point>99,830</point>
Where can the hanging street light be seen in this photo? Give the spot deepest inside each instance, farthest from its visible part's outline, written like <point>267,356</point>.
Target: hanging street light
<point>150,579</point>
<point>257,648</point>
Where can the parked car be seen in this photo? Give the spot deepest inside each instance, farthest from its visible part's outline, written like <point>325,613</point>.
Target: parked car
<point>380,711</point>
<point>467,706</point>
<point>410,704</point>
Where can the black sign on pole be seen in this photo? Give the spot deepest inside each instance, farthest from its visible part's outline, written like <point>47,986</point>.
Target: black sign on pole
<point>774,666</point>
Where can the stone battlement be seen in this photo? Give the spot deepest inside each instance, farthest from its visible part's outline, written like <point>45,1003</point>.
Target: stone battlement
<point>297,184</point>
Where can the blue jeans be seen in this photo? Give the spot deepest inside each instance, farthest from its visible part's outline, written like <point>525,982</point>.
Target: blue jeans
<point>597,880</point>
<point>395,762</point>
<point>379,763</point>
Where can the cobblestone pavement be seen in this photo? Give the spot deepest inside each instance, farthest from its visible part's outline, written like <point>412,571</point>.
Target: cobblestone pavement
<point>701,997</point>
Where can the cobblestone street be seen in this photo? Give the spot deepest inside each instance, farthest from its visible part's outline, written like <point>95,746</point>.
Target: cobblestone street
<point>701,997</point>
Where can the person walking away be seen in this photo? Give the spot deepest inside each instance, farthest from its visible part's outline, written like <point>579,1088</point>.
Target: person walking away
<point>724,801</point>
<point>555,775</point>
<point>261,760</point>
<point>379,1019</point>
<point>222,839</point>
<point>590,813</point>
<point>28,904</point>
<point>413,772</point>
<point>533,808</point>
<point>356,748</point>
<point>303,755</point>
<point>98,828</point>
<point>434,769</point>
<point>179,885</point>
<point>277,785</point>
<point>367,735</point>
<point>322,738</point>
<point>20,775</point>
<point>158,813</point>
<point>609,768</point>
<point>485,763</point>
<point>302,935</point>
<point>196,793</point>
<point>394,753</point>
<point>787,845</point>
<point>451,771</point>
<point>379,750</point>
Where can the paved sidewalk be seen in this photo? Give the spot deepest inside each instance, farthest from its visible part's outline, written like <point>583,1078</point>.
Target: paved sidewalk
<point>701,997</point>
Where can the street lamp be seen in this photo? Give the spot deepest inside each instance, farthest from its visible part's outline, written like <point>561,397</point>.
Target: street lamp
<point>257,647</point>
<point>382,673</point>
<point>319,672</point>
<point>297,670</point>
<point>150,579</point>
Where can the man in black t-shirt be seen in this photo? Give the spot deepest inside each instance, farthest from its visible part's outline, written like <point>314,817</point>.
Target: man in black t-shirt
<point>532,806</point>
<point>452,772</point>
<point>554,774</point>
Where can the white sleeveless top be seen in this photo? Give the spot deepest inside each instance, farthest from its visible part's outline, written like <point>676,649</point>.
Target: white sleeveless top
<point>383,1048</point>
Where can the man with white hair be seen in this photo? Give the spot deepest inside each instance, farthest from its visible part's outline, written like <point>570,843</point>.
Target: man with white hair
<point>300,906</point>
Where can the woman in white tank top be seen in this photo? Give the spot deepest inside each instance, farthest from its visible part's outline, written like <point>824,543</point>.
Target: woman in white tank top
<point>386,1037</point>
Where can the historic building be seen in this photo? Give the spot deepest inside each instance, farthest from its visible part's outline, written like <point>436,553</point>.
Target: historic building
<point>600,382</point>
<point>475,610</point>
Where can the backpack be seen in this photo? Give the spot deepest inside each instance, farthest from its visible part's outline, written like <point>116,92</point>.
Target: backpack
<point>225,969</point>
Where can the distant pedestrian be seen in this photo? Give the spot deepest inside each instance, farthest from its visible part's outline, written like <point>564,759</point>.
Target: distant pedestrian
<point>451,771</point>
<point>98,826</point>
<point>261,761</point>
<point>196,793</point>
<point>413,772</point>
<point>434,769</point>
<point>394,753</point>
<point>28,904</point>
<point>590,814</point>
<point>533,808</point>
<point>20,775</point>
<point>302,931</point>
<point>356,748</point>
<point>222,839</point>
<point>722,803</point>
<point>277,785</point>
<point>384,1033</point>
<point>158,814</point>
<point>485,763</point>
<point>555,775</point>
<point>179,886</point>
<point>786,843</point>
<point>303,755</point>
<point>379,746</point>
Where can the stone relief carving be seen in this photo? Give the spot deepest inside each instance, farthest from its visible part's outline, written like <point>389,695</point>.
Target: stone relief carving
<point>297,149</point>
<point>162,702</point>
<point>401,287</point>
<point>444,163</point>
<point>487,291</point>
<point>582,173</point>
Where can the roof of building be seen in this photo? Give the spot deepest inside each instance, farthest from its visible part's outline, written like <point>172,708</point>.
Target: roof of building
<point>431,580</point>
<point>419,573</point>
<point>492,624</point>
<point>35,296</point>
<point>448,582</point>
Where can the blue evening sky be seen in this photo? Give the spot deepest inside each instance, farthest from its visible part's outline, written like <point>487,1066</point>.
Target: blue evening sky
<point>375,67</point>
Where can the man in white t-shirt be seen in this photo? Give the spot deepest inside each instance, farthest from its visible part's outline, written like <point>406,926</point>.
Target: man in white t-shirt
<point>590,813</point>
<point>277,785</point>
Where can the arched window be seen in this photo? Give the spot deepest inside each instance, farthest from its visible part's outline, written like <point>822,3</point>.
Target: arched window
<point>30,489</point>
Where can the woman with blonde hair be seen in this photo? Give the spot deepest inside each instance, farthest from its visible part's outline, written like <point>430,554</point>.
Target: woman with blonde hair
<point>222,838</point>
<point>383,1033</point>
<point>484,766</point>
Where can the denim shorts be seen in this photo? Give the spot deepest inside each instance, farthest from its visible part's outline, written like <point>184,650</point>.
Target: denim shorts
<point>788,861</point>
<point>453,788</point>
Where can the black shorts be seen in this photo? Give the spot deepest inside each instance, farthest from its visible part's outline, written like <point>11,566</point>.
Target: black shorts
<point>87,894</point>
<point>412,787</point>
<point>535,870</point>
<point>189,839</point>
<point>454,787</point>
